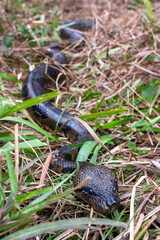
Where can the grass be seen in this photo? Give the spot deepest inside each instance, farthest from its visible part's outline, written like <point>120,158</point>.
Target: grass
<point>112,84</point>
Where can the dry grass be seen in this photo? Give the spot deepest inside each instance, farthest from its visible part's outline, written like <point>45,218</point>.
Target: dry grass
<point>122,59</point>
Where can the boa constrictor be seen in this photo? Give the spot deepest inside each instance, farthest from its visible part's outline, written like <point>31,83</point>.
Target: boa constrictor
<point>101,191</point>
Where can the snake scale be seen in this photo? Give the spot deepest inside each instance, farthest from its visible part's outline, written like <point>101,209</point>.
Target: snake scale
<point>101,191</point>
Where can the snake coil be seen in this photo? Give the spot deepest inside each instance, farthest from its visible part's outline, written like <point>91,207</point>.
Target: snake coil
<point>101,191</point>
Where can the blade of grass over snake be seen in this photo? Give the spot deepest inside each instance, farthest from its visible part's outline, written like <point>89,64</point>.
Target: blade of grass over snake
<point>85,151</point>
<point>93,134</point>
<point>29,103</point>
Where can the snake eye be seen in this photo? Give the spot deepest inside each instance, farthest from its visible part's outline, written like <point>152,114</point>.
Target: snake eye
<point>89,191</point>
<point>86,190</point>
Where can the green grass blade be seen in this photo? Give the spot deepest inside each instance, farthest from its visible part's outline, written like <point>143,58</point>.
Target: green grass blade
<point>146,124</point>
<point>85,151</point>
<point>27,211</point>
<point>34,126</point>
<point>12,175</point>
<point>103,114</point>
<point>47,194</point>
<point>149,9</point>
<point>9,77</point>
<point>65,25</point>
<point>117,123</point>
<point>105,139</point>
<point>23,197</point>
<point>2,196</point>
<point>24,145</point>
<point>29,103</point>
<point>78,223</point>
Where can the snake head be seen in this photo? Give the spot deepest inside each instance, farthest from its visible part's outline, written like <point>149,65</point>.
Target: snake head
<point>101,192</point>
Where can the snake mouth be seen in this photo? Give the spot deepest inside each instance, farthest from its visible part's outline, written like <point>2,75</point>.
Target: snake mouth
<point>102,206</point>
<point>100,203</point>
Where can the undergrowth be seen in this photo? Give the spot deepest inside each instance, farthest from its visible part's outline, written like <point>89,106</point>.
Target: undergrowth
<point>113,85</point>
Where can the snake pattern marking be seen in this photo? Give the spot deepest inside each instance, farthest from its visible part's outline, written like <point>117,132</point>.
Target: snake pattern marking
<point>101,191</point>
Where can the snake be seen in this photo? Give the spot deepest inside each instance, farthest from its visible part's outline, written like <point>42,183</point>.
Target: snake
<point>101,191</point>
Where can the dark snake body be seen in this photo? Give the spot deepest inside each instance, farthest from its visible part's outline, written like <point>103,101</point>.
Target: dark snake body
<point>101,191</point>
